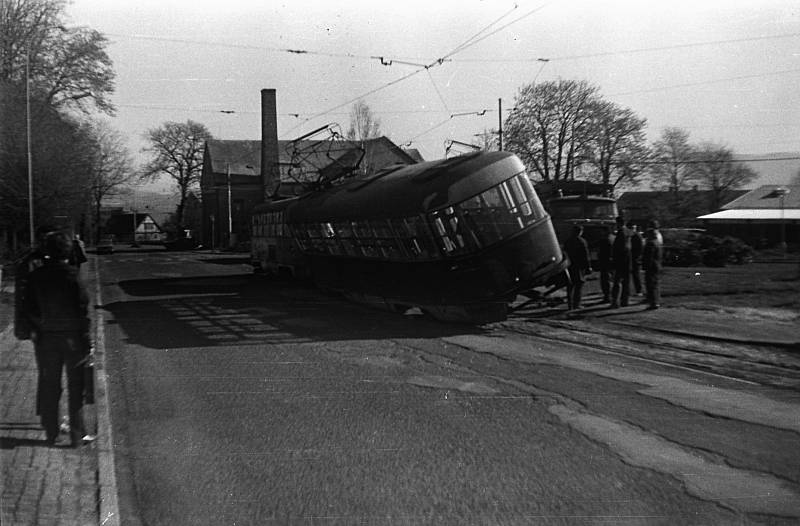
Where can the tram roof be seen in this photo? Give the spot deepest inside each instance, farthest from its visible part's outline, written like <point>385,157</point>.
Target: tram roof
<point>405,191</point>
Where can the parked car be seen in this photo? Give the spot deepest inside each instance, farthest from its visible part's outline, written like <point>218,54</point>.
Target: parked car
<point>105,245</point>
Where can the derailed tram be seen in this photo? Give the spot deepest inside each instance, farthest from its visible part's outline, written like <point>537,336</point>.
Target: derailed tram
<point>458,238</point>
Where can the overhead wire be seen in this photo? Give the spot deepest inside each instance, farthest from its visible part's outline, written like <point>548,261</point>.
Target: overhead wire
<point>439,61</point>
<point>473,40</point>
<point>639,50</point>
<point>704,82</point>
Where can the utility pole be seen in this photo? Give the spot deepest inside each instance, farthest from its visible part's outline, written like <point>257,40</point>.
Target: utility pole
<point>230,217</point>
<point>500,124</point>
<point>134,243</point>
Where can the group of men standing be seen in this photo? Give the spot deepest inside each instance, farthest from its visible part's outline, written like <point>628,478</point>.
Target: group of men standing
<point>51,310</point>
<point>622,256</point>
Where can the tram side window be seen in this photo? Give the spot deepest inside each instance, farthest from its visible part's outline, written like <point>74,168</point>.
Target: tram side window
<point>365,238</point>
<point>499,208</point>
<point>347,239</point>
<point>523,207</point>
<point>280,231</point>
<point>450,231</point>
<point>316,241</point>
<point>385,242</point>
<point>423,237</point>
<point>530,194</point>
<point>301,236</point>
<point>411,234</point>
<point>477,218</point>
<point>330,239</point>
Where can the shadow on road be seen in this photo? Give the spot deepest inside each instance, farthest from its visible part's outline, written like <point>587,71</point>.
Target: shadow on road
<point>248,310</point>
<point>228,260</point>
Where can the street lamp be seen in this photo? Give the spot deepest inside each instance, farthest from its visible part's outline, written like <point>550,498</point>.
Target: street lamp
<point>28,134</point>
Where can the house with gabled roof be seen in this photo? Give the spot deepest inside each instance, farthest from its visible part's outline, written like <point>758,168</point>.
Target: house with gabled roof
<point>239,174</point>
<point>764,217</point>
<point>133,227</point>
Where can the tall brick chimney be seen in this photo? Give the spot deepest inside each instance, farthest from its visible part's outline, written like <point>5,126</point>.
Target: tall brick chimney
<point>270,171</point>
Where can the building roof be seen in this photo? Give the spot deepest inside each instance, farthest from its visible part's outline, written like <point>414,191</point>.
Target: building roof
<point>645,199</point>
<point>123,223</point>
<point>754,214</point>
<point>767,197</point>
<point>414,154</point>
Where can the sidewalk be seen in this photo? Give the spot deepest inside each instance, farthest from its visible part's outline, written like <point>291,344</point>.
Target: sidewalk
<point>41,485</point>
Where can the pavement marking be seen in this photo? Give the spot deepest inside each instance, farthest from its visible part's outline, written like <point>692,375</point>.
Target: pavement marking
<point>738,489</point>
<point>728,403</point>
<point>107,473</point>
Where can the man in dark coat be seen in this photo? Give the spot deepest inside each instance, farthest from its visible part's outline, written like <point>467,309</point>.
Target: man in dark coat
<point>578,253</point>
<point>637,243</point>
<point>22,326</point>
<point>621,257</point>
<point>652,254</point>
<point>604,263</point>
<point>32,260</point>
<point>56,306</point>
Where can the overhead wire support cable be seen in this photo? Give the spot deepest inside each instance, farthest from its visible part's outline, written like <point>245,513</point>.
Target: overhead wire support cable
<point>439,61</point>
<point>436,88</point>
<point>238,46</point>
<point>469,41</point>
<point>484,37</point>
<point>704,82</point>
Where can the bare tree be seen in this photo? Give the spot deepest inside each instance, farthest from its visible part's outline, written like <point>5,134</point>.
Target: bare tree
<point>60,168</point>
<point>672,167</point>
<point>616,145</point>
<point>716,171</point>
<point>67,66</point>
<point>110,169</point>
<point>548,126</point>
<point>177,150</point>
<point>488,140</point>
<point>363,124</point>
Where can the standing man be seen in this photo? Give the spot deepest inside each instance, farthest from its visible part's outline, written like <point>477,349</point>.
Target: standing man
<point>621,256</point>
<point>578,253</point>
<point>636,257</point>
<point>56,307</point>
<point>32,260</point>
<point>22,326</point>
<point>604,263</point>
<point>78,255</point>
<point>651,262</point>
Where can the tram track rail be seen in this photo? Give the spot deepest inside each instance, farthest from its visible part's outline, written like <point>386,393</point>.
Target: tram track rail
<point>759,364</point>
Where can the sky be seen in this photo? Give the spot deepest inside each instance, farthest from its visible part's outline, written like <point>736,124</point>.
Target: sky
<point>727,71</point>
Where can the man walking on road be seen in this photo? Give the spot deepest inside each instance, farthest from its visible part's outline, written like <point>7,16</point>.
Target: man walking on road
<point>636,257</point>
<point>578,253</point>
<point>651,261</point>
<point>604,263</point>
<point>22,326</point>
<point>56,306</point>
<point>621,255</point>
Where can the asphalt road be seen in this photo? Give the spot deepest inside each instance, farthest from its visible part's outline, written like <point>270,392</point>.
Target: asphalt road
<point>238,400</point>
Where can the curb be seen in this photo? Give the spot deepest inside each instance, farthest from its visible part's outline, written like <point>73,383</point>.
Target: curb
<point>106,468</point>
